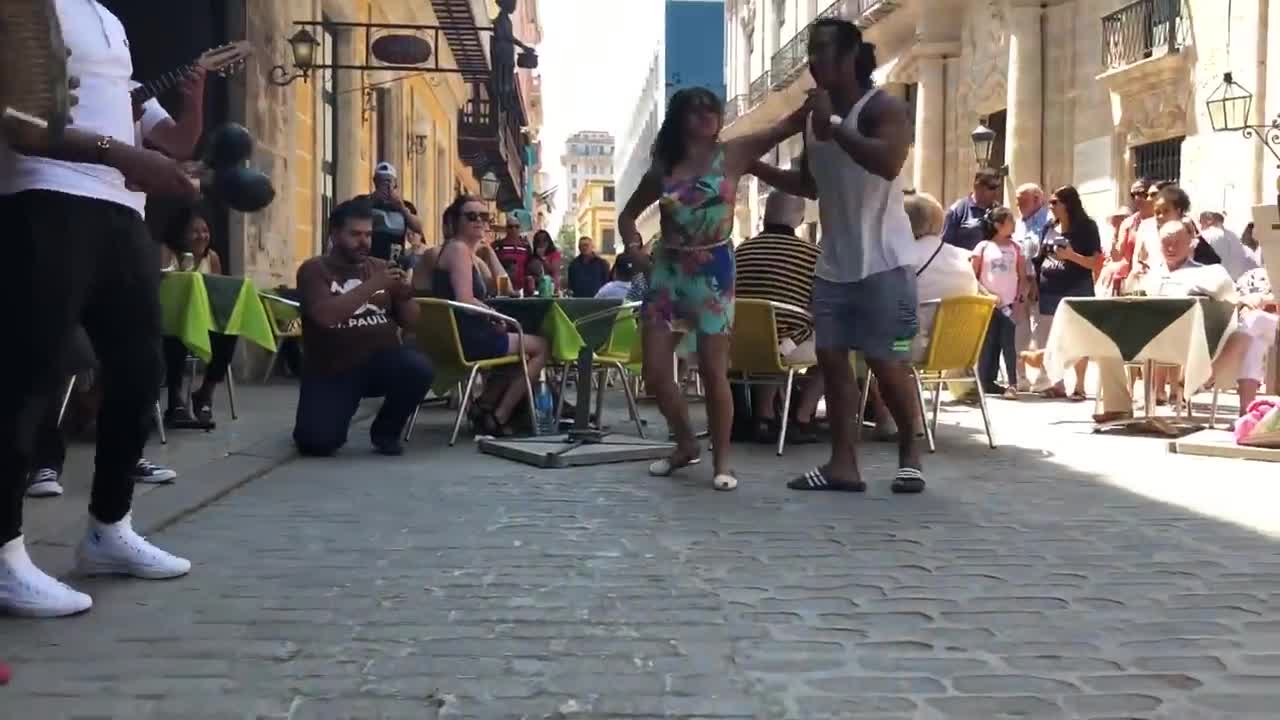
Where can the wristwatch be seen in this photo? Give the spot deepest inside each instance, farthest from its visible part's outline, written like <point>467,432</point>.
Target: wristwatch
<point>836,120</point>
<point>104,146</point>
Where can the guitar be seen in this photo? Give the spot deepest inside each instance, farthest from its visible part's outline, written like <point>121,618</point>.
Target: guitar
<point>225,60</point>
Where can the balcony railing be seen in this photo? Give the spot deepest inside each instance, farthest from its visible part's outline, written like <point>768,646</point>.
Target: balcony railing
<point>791,59</point>
<point>1142,30</point>
<point>735,107</point>
<point>759,88</point>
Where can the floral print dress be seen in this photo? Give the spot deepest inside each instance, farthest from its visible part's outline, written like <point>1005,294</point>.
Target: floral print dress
<point>693,271</point>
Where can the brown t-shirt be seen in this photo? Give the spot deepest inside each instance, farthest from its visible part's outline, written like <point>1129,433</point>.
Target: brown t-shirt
<point>336,349</point>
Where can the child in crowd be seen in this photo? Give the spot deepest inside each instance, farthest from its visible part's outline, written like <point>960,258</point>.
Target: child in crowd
<point>998,263</point>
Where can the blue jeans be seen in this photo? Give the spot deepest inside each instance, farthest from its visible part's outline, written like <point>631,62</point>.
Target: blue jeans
<point>1000,342</point>
<point>326,404</point>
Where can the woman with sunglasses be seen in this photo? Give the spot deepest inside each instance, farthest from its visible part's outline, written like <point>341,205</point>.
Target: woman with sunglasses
<point>693,178</point>
<point>1070,252</point>
<point>456,276</point>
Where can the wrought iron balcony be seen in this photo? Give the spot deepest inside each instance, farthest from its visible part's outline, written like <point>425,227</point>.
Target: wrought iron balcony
<point>490,137</point>
<point>735,108</point>
<point>1142,30</point>
<point>792,58</point>
<point>759,88</point>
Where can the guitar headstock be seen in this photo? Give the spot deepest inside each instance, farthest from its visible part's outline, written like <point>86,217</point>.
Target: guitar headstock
<point>227,59</point>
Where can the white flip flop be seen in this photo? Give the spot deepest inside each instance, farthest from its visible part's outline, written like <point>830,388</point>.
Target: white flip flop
<point>725,481</point>
<point>664,468</point>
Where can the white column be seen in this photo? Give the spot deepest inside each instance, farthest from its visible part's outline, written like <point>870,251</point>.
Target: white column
<point>1025,129</point>
<point>931,127</point>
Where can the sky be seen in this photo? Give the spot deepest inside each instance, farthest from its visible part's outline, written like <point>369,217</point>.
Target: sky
<point>593,58</point>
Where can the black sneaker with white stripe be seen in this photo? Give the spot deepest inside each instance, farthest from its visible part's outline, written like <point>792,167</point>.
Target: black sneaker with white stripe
<point>152,474</point>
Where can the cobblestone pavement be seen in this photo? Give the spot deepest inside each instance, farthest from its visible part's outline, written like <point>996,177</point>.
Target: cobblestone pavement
<point>1023,584</point>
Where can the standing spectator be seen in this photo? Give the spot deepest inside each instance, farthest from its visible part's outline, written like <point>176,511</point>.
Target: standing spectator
<point>1225,243</point>
<point>777,265</point>
<point>351,304</point>
<point>392,218</point>
<point>963,224</point>
<point>998,265</point>
<point>588,272</point>
<point>514,253</point>
<point>1118,260</point>
<point>1034,217</point>
<point>1070,251</point>
<point>544,247</point>
<point>1251,245</point>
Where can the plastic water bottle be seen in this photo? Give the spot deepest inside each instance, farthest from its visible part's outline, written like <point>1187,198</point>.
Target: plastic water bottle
<point>544,408</point>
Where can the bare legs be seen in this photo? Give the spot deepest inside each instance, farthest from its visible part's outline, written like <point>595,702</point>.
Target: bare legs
<point>513,390</point>
<point>899,394</point>
<point>713,365</point>
<point>659,376</point>
<point>842,409</point>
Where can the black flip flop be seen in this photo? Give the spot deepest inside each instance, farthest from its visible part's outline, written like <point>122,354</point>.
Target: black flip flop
<point>908,481</point>
<point>815,479</point>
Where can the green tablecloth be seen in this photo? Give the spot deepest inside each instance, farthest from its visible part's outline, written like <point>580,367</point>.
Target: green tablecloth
<point>1185,331</point>
<point>193,305</point>
<point>553,318</point>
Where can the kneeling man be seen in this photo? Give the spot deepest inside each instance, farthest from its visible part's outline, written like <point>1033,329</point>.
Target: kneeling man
<point>351,304</point>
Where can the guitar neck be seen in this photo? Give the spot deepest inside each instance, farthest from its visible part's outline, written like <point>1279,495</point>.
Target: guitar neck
<point>145,92</point>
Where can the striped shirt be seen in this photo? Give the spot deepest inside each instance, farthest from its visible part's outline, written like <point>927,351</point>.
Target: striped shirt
<point>779,267</point>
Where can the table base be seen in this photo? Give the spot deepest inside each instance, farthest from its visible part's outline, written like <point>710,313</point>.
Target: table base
<point>569,450</point>
<point>1148,423</point>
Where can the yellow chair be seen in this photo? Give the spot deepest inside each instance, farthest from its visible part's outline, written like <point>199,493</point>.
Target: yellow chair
<point>619,353</point>
<point>437,336</point>
<point>285,317</point>
<point>754,356</point>
<point>955,345</point>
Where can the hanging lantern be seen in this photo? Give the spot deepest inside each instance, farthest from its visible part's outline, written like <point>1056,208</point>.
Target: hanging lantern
<point>1229,106</point>
<point>983,140</point>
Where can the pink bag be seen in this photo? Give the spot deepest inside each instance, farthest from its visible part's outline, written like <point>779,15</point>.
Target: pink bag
<point>1264,412</point>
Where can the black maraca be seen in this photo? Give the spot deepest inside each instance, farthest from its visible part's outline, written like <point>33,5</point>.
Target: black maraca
<point>227,177</point>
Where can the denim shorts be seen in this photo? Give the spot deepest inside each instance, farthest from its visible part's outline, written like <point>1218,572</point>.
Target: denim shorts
<point>875,315</point>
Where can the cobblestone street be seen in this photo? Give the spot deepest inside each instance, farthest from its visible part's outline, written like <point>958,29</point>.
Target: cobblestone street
<point>1024,583</point>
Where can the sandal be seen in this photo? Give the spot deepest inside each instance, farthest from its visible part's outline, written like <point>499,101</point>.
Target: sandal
<point>724,481</point>
<point>1054,393</point>
<point>1078,396</point>
<point>908,481</point>
<point>816,479</point>
<point>666,468</point>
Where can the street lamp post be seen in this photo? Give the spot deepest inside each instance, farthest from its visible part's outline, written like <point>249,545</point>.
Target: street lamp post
<point>489,186</point>
<point>984,139</point>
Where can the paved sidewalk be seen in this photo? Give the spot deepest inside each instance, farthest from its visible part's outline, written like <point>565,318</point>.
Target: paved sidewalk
<point>1064,575</point>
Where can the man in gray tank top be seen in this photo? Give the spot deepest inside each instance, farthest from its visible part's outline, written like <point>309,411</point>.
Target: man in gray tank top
<point>864,295</point>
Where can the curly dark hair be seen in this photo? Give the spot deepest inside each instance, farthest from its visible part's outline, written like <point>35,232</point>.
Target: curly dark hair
<point>669,147</point>
<point>995,217</point>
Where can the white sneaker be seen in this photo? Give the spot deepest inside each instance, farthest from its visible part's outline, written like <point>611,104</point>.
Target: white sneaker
<point>117,550</point>
<point>26,591</point>
<point>148,472</point>
<point>44,483</point>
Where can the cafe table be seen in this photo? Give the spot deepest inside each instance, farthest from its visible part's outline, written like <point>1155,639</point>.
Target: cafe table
<point>194,304</point>
<point>1183,331</point>
<point>554,320</point>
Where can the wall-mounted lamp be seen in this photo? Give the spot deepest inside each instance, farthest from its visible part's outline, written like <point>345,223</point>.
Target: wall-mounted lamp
<point>417,140</point>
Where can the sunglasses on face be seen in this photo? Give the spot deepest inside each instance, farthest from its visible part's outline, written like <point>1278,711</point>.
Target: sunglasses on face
<point>472,216</point>
<point>1138,194</point>
<point>992,188</point>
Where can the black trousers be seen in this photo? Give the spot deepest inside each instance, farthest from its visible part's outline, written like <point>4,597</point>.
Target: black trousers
<point>175,363</point>
<point>77,260</point>
<point>326,404</point>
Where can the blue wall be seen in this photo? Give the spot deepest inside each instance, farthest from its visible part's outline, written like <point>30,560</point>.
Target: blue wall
<point>695,45</point>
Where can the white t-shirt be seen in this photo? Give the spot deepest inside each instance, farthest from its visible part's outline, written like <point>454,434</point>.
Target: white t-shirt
<point>614,290</point>
<point>1228,246</point>
<point>100,58</point>
<point>950,274</point>
<point>1191,278</point>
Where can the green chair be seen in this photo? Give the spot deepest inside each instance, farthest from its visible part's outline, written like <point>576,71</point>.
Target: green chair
<point>285,317</point>
<point>437,336</point>
<point>619,353</point>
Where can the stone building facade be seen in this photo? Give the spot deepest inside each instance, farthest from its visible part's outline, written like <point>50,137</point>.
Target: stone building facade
<point>1082,92</point>
<point>319,138</point>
